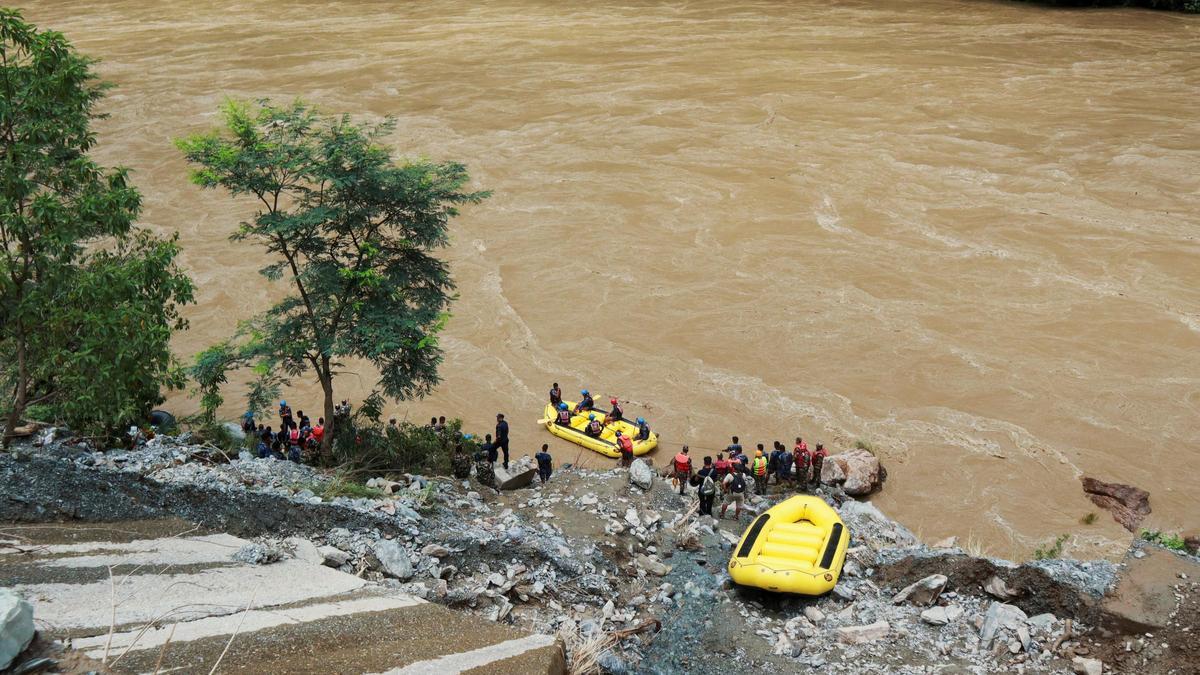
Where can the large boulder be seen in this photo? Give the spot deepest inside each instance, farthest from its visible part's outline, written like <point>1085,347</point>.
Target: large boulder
<point>923,592</point>
<point>856,470</point>
<point>394,559</point>
<point>640,474</point>
<point>16,626</point>
<point>1128,505</point>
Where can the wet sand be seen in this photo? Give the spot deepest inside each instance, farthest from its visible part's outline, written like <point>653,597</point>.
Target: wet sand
<point>964,232</point>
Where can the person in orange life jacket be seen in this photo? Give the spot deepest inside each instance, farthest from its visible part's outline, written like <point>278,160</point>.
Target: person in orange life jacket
<point>643,433</point>
<point>318,432</point>
<point>564,415</point>
<point>625,445</point>
<point>801,459</point>
<point>586,402</point>
<point>683,468</point>
<point>759,469</point>
<point>594,428</point>
<point>555,395</point>
<point>818,461</point>
<point>616,414</point>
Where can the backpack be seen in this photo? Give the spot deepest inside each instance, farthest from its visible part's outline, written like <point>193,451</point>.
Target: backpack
<point>708,487</point>
<point>738,484</point>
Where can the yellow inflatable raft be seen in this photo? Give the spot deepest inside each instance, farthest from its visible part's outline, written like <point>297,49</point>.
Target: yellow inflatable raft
<point>606,444</point>
<point>796,546</point>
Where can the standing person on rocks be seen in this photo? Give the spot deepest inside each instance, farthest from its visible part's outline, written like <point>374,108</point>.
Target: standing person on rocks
<point>285,415</point>
<point>545,463</point>
<point>784,472</point>
<point>248,426</point>
<point>759,468</point>
<point>683,468</point>
<point>801,459</point>
<point>489,450</point>
<point>555,395</point>
<point>734,485</point>
<point>707,490</point>
<point>735,448</point>
<point>625,445</point>
<point>502,437</point>
<point>818,460</point>
<point>318,432</point>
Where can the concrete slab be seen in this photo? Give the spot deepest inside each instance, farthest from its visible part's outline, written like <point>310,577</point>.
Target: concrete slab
<point>182,602</point>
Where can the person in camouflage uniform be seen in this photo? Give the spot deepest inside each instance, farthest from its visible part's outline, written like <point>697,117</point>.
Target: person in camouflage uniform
<point>460,463</point>
<point>484,472</point>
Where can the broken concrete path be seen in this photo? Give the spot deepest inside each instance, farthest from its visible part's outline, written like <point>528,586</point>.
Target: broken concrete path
<point>184,597</point>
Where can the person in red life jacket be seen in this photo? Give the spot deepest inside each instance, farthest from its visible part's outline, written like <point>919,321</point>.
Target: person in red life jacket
<point>294,444</point>
<point>683,468</point>
<point>722,467</point>
<point>586,402</point>
<point>555,395</point>
<point>564,415</point>
<point>318,432</point>
<point>594,427</point>
<point>801,460</point>
<point>818,460</point>
<point>625,445</point>
<point>616,414</point>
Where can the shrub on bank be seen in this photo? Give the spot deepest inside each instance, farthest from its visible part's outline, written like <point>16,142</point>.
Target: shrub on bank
<point>365,447</point>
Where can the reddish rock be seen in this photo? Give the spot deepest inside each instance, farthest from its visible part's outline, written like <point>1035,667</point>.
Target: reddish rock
<point>1128,505</point>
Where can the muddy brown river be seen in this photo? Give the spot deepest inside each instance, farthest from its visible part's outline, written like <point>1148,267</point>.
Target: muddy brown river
<point>963,232</point>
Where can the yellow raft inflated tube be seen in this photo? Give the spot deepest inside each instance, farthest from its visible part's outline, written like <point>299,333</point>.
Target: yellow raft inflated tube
<point>796,546</point>
<point>606,444</point>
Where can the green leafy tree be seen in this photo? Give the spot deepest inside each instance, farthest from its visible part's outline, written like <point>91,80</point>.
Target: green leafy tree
<point>81,323</point>
<point>353,232</point>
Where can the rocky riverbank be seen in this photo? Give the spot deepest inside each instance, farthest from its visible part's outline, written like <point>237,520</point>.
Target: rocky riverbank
<point>631,579</point>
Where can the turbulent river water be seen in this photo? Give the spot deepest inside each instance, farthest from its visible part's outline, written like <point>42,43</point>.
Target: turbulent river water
<point>964,232</point>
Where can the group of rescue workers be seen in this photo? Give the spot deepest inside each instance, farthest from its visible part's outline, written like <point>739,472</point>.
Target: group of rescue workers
<point>798,468</point>
<point>296,433</point>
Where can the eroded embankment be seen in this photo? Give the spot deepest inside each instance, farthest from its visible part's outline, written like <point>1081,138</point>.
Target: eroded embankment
<point>594,558</point>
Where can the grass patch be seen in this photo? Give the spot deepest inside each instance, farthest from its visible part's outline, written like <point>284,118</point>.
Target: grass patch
<point>341,486</point>
<point>1166,540</point>
<point>864,445</point>
<point>1089,518</point>
<point>1050,550</point>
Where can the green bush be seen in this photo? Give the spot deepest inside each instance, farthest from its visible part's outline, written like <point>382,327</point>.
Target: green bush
<point>1050,550</point>
<point>1171,541</point>
<point>367,448</point>
<point>1089,518</point>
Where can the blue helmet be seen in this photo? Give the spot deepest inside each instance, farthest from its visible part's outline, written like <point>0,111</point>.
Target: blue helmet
<point>562,406</point>
<point>641,421</point>
<point>618,432</point>
<point>584,392</point>
<point>592,416</point>
<point>283,403</point>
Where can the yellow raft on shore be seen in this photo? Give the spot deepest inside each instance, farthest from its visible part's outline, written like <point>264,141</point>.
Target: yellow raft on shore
<point>606,444</point>
<point>796,546</point>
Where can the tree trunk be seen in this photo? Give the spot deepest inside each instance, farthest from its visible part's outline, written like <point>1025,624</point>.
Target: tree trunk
<point>330,423</point>
<point>19,400</point>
